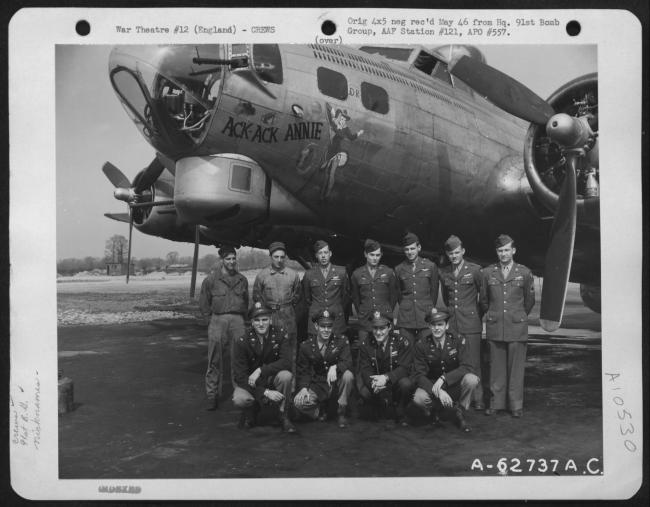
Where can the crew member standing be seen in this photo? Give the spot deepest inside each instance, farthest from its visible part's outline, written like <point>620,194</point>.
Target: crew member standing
<point>374,288</point>
<point>224,300</point>
<point>418,285</point>
<point>278,287</point>
<point>507,296</point>
<point>461,283</point>
<point>326,287</point>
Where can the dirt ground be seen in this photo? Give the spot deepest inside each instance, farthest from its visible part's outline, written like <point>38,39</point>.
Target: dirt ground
<point>138,391</point>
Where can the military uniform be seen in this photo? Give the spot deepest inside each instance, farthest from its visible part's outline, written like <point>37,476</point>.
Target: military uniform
<point>224,298</point>
<point>506,302</point>
<point>460,295</point>
<point>395,361</point>
<point>331,293</point>
<point>273,357</point>
<point>379,292</point>
<point>312,367</point>
<point>451,362</point>
<point>279,290</point>
<point>418,285</point>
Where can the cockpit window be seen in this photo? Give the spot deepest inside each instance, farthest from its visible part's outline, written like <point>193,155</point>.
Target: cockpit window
<point>267,62</point>
<point>440,71</point>
<point>401,54</point>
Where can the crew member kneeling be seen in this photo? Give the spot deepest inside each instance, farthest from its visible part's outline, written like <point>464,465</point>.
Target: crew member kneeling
<point>385,361</point>
<point>324,371</point>
<point>443,371</point>
<point>261,364</point>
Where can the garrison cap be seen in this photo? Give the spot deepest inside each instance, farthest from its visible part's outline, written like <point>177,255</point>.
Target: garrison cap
<point>324,317</point>
<point>378,319</point>
<point>409,238</point>
<point>277,245</point>
<point>371,245</point>
<point>502,240</point>
<point>319,245</point>
<point>226,250</point>
<point>435,315</point>
<point>259,309</point>
<point>452,243</point>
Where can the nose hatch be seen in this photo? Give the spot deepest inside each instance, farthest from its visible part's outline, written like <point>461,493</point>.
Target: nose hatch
<point>169,98</point>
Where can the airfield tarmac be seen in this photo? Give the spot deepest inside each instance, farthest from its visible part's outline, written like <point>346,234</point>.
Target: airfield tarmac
<point>136,355</point>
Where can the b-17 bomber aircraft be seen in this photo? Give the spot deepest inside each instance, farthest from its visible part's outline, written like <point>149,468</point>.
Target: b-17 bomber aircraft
<point>295,143</point>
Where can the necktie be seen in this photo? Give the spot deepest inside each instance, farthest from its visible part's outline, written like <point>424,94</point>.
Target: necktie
<point>505,270</point>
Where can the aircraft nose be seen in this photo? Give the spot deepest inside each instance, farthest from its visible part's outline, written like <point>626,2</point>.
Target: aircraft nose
<point>168,96</point>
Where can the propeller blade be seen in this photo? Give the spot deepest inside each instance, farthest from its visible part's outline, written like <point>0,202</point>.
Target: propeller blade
<point>169,163</point>
<point>148,177</point>
<point>120,217</point>
<point>560,251</point>
<point>165,187</point>
<point>115,176</point>
<point>128,256</point>
<point>502,90</point>
<point>195,260</point>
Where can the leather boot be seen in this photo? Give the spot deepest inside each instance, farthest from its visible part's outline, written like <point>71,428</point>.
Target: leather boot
<point>460,420</point>
<point>342,421</point>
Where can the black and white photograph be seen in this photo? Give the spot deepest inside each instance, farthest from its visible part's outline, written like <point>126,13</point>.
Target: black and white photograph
<point>329,260</point>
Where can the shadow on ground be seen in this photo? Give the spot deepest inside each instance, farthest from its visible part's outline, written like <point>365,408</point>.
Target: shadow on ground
<point>139,414</point>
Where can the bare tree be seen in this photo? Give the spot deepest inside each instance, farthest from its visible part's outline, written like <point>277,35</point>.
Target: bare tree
<point>172,258</point>
<point>116,249</point>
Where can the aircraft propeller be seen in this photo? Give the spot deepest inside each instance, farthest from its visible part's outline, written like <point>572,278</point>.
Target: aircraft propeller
<point>136,195</point>
<point>575,138</point>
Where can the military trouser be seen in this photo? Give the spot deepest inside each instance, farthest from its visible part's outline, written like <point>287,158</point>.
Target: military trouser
<point>413,334</point>
<point>343,386</point>
<point>285,317</point>
<point>223,330</point>
<point>473,346</point>
<point>244,399</point>
<point>507,364</point>
<point>398,394</point>
<point>460,392</point>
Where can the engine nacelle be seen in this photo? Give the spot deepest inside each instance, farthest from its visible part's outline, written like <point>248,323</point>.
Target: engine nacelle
<point>161,221</point>
<point>229,190</point>
<point>590,295</point>
<point>543,159</point>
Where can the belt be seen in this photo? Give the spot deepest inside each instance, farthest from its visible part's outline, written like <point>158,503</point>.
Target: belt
<point>277,306</point>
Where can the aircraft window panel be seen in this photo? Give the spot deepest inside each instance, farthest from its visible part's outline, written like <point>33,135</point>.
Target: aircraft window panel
<point>374,98</point>
<point>239,49</point>
<point>130,90</point>
<point>267,62</point>
<point>240,178</point>
<point>440,72</point>
<point>332,83</point>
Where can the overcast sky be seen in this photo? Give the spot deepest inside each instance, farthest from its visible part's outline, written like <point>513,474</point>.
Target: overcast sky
<point>92,128</point>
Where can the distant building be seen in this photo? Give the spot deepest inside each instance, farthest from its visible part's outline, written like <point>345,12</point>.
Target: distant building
<point>178,268</point>
<point>118,268</point>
